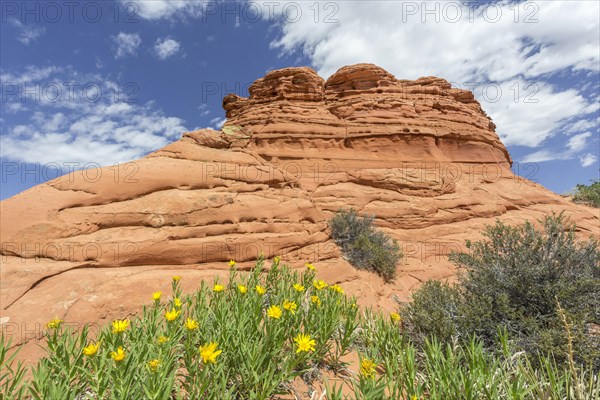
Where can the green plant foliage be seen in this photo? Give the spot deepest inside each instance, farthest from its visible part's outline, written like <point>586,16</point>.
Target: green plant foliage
<point>11,373</point>
<point>435,311</point>
<point>242,340</point>
<point>589,195</point>
<point>515,279</point>
<point>363,246</point>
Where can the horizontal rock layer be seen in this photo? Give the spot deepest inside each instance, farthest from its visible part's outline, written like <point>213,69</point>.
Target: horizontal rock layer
<point>419,155</point>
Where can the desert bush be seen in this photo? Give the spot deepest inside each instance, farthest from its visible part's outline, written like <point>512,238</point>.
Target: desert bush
<point>255,335</point>
<point>435,311</point>
<point>515,279</point>
<point>363,246</point>
<point>589,195</point>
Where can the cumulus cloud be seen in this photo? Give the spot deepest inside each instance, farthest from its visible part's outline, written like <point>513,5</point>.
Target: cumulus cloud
<point>27,33</point>
<point>217,122</point>
<point>574,145</point>
<point>518,47</point>
<point>203,110</point>
<point>103,127</point>
<point>161,9</point>
<point>544,155</point>
<point>588,160</point>
<point>126,44</point>
<point>166,47</point>
<point>30,73</point>
<point>578,142</point>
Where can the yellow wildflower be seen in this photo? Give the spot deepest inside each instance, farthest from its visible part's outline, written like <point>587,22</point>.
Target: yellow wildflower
<point>91,349</point>
<point>209,353</point>
<point>337,288</point>
<point>54,323</point>
<point>176,278</point>
<point>162,339</point>
<point>395,317</point>
<point>231,263</point>
<point>177,302</point>
<point>191,324</point>
<point>260,290</point>
<point>172,315</point>
<point>310,266</point>
<point>304,343</point>
<point>315,300</point>
<point>298,287</point>
<point>156,295</point>
<point>290,306</point>
<point>274,312</point>
<point>319,284</point>
<point>276,260</point>
<point>242,289</point>
<point>153,365</point>
<point>218,288</point>
<point>414,397</point>
<point>118,355</point>
<point>367,368</point>
<point>119,326</point>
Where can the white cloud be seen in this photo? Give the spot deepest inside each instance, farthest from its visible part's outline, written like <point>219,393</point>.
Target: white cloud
<point>527,44</point>
<point>164,9</point>
<point>27,33</point>
<point>578,142</point>
<point>543,155</point>
<point>588,159</point>
<point>217,122</point>
<point>527,114</point>
<point>78,128</point>
<point>14,108</point>
<point>31,73</point>
<point>582,125</point>
<point>127,44</point>
<point>568,151</point>
<point>203,110</point>
<point>166,47</point>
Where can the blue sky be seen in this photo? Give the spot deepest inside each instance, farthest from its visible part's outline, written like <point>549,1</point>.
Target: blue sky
<point>94,83</point>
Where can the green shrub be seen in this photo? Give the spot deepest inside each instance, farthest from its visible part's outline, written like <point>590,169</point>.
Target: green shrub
<point>515,279</point>
<point>363,246</point>
<point>589,195</point>
<point>435,310</point>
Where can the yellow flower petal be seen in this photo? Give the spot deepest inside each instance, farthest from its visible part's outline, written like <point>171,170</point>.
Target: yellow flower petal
<point>91,349</point>
<point>218,288</point>
<point>260,290</point>
<point>209,353</point>
<point>120,325</point>
<point>118,355</point>
<point>304,343</point>
<point>191,324</point>
<point>274,312</point>
<point>172,315</point>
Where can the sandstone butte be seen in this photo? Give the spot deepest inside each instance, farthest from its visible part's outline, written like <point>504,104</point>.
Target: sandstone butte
<point>421,156</point>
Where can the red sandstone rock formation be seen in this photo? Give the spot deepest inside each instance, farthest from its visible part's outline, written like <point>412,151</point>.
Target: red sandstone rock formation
<point>421,156</point>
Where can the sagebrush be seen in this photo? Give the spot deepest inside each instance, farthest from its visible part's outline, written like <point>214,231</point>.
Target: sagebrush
<point>587,194</point>
<point>364,246</point>
<point>515,278</point>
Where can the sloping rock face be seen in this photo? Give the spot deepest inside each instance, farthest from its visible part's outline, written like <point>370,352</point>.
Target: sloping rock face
<point>421,156</point>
